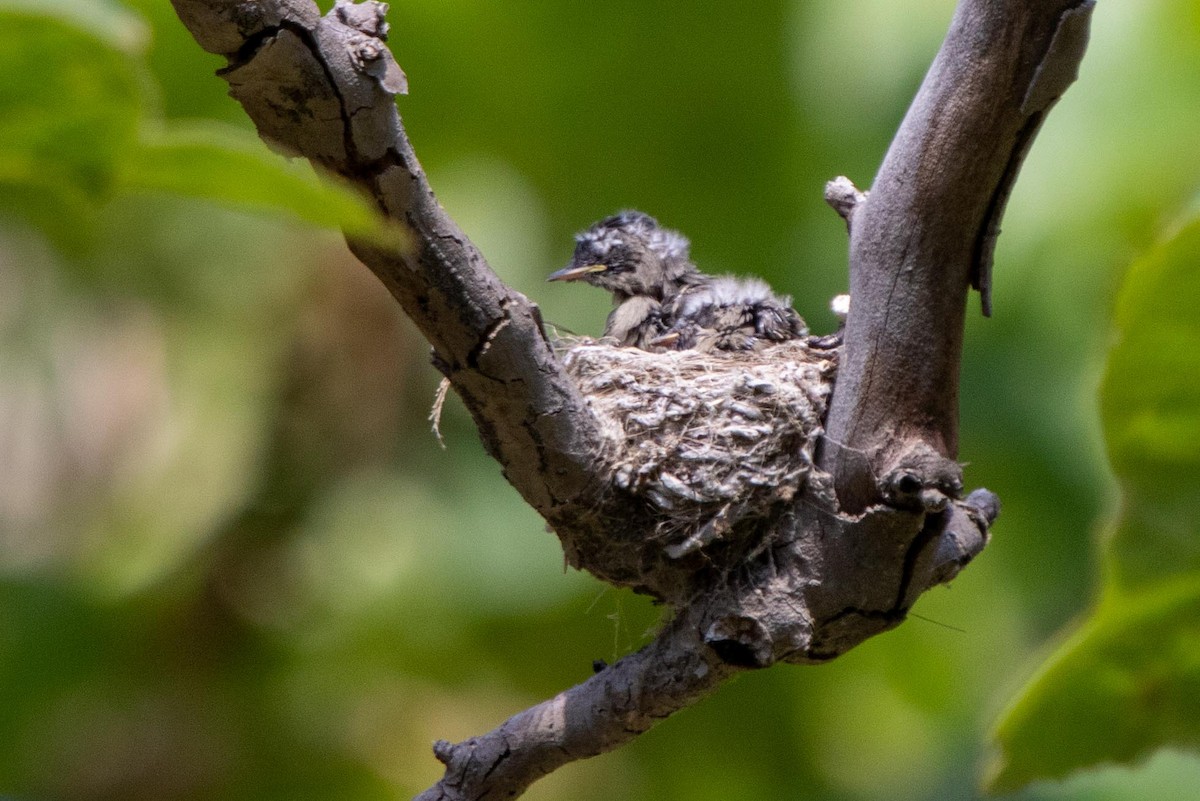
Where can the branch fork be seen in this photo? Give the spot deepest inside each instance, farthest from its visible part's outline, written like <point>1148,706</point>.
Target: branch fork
<point>878,516</point>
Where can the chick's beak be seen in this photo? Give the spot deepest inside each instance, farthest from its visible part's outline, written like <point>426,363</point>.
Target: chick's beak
<point>574,273</point>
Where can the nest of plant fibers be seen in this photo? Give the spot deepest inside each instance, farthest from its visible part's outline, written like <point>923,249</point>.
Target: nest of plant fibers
<point>711,441</point>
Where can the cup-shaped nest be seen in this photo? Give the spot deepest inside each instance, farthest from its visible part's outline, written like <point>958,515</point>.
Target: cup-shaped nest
<point>711,442</point>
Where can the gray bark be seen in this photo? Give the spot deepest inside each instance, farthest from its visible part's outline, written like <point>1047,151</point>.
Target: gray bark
<point>926,232</point>
<point>848,555</point>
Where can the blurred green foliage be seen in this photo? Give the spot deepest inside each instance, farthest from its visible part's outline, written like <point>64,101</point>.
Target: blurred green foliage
<point>235,563</point>
<point>1129,680</point>
<point>74,131</point>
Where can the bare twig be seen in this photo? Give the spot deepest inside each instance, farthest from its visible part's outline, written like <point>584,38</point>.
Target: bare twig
<point>844,197</point>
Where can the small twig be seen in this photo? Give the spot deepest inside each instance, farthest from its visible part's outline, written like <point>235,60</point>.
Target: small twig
<point>844,197</point>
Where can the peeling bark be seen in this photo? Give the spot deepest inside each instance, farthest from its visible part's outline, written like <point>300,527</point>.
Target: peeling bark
<point>838,560</point>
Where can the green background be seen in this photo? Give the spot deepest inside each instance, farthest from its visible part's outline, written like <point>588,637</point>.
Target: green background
<point>236,564</point>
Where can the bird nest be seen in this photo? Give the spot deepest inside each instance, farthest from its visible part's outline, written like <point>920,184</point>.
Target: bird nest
<point>710,440</point>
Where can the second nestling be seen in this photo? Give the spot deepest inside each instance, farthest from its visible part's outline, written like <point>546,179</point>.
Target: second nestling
<point>663,302</point>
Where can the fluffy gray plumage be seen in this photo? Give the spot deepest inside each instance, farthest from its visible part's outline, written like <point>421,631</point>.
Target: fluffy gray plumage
<point>661,301</point>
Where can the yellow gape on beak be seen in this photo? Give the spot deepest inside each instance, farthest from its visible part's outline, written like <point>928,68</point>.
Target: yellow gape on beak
<point>575,273</point>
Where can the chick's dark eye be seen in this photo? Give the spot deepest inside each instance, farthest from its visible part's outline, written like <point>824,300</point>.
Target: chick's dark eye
<point>618,260</point>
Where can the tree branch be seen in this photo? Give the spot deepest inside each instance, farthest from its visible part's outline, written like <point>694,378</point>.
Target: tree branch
<point>608,710</point>
<point>321,87</point>
<point>926,233</point>
<point>827,558</point>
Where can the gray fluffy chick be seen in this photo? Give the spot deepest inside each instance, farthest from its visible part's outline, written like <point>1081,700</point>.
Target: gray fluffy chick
<point>661,301</point>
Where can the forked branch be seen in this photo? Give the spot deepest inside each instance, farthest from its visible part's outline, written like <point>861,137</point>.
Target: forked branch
<point>837,557</point>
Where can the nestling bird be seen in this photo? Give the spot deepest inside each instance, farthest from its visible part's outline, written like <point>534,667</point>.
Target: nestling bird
<point>661,301</point>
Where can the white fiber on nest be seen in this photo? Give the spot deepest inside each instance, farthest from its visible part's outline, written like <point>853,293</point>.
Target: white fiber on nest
<point>710,439</point>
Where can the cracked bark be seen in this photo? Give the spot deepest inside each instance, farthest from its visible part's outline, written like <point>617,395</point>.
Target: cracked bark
<point>880,525</point>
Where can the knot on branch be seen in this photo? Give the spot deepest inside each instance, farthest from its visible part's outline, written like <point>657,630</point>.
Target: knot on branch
<point>742,641</point>
<point>365,43</point>
<point>921,479</point>
<point>369,17</point>
<point>844,197</point>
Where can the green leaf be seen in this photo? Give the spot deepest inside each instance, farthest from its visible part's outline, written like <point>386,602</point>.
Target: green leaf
<point>1128,681</point>
<point>117,26</point>
<point>1125,684</point>
<point>232,166</point>
<point>1151,409</point>
<point>73,132</point>
<point>69,107</point>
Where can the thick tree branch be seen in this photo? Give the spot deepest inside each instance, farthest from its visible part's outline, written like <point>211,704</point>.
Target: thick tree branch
<point>797,570</point>
<point>926,232</point>
<point>322,87</point>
